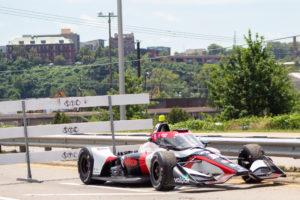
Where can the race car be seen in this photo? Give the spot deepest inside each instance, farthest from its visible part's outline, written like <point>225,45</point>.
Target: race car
<point>174,158</point>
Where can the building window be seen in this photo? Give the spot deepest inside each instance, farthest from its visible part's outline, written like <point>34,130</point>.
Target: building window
<point>43,41</point>
<point>179,60</point>
<point>32,42</point>
<point>61,41</point>
<point>21,42</point>
<point>189,61</point>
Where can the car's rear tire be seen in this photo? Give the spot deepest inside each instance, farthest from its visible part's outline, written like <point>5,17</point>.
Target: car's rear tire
<point>161,171</point>
<point>85,167</point>
<point>248,154</point>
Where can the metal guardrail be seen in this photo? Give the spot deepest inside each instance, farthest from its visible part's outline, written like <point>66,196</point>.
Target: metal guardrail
<point>283,147</point>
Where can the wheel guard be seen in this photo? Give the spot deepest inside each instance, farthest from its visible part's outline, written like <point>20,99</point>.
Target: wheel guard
<point>265,169</point>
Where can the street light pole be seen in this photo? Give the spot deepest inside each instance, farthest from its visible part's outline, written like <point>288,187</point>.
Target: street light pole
<point>110,14</point>
<point>121,59</point>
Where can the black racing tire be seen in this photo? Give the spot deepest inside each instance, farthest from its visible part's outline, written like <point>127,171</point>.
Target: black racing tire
<point>248,154</point>
<point>161,170</point>
<point>85,167</point>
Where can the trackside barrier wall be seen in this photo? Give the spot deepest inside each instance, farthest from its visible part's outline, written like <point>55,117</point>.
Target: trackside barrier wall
<point>67,129</point>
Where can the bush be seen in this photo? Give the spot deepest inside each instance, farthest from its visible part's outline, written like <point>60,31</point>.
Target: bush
<point>65,119</point>
<point>61,118</point>
<point>59,60</point>
<point>285,122</point>
<point>56,118</point>
<point>178,115</point>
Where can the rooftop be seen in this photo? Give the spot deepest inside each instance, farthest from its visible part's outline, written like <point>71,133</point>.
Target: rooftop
<point>36,40</point>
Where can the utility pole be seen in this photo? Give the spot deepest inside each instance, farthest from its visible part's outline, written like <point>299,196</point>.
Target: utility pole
<point>295,49</point>
<point>121,59</point>
<point>234,39</point>
<point>138,51</point>
<point>110,14</point>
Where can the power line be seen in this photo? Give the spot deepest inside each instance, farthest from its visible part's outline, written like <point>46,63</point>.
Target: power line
<point>91,23</point>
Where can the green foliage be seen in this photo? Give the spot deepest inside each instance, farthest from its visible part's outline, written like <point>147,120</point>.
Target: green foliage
<point>250,82</point>
<point>177,115</point>
<point>133,85</point>
<point>19,51</point>
<point>199,80</point>
<point>86,56</point>
<point>61,118</point>
<point>33,57</point>
<point>99,52</point>
<point>103,115</point>
<point>282,51</point>
<point>59,60</point>
<point>65,119</point>
<point>57,118</point>
<point>285,122</point>
<point>214,49</point>
<point>280,122</point>
<point>1,55</point>
<point>22,63</point>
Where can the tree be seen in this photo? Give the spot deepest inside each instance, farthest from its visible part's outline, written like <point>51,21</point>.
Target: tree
<point>61,118</point>
<point>199,80</point>
<point>19,51</point>
<point>214,49</point>
<point>133,85</point>
<point>86,55</point>
<point>250,82</point>
<point>165,79</point>
<point>178,115</point>
<point>99,53</point>
<point>21,63</point>
<point>34,57</point>
<point>1,55</point>
<point>59,60</point>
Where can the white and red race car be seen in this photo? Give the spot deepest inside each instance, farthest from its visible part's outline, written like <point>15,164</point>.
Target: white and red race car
<point>172,158</point>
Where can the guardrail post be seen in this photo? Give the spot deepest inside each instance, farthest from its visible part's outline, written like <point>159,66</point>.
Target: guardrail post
<point>29,176</point>
<point>112,125</point>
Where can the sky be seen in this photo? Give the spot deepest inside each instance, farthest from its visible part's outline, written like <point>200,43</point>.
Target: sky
<point>179,24</point>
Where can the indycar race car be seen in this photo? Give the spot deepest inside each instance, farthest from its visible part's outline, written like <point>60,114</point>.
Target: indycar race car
<point>172,158</point>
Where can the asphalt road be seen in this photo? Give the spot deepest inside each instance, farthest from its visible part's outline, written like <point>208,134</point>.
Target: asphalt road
<point>63,183</point>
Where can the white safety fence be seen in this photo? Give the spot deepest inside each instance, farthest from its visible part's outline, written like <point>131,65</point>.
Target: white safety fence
<point>67,129</point>
<point>48,156</point>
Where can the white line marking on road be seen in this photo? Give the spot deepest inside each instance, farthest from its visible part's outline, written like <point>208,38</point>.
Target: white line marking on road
<point>106,187</point>
<point>5,198</point>
<point>103,194</point>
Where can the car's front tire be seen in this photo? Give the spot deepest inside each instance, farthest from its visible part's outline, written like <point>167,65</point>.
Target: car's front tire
<point>248,154</point>
<point>85,167</point>
<point>161,171</point>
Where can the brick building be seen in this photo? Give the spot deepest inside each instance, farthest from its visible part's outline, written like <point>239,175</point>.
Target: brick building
<point>66,33</point>
<point>156,51</point>
<point>128,39</point>
<point>207,59</point>
<point>46,47</point>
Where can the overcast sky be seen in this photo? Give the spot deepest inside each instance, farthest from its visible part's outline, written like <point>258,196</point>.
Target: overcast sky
<point>270,18</point>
